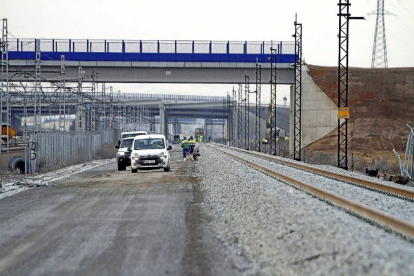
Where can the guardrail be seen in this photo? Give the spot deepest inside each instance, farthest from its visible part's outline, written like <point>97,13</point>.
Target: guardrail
<point>152,46</point>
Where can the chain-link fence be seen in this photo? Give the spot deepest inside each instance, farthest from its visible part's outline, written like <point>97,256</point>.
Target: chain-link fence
<point>52,149</point>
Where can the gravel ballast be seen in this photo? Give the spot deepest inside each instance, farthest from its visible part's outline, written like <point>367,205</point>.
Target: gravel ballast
<point>330,169</point>
<point>392,205</point>
<point>280,230</point>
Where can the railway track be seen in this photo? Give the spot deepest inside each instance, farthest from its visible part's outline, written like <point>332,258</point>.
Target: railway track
<point>385,220</point>
<point>395,191</point>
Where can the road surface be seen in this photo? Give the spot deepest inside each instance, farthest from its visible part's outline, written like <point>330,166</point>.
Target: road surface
<point>105,222</point>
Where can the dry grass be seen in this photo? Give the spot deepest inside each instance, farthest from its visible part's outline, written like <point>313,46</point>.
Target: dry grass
<point>106,151</point>
<point>356,162</point>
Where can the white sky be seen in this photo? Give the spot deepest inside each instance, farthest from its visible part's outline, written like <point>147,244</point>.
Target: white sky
<point>217,20</point>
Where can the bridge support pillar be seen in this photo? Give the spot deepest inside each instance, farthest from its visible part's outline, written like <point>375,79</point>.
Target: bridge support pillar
<point>163,122</point>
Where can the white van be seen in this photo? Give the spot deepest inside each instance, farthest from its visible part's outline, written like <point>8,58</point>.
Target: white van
<point>150,152</point>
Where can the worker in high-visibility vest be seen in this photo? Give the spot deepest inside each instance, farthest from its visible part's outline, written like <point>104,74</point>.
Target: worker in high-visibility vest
<point>192,142</point>
<point>200,139</point>
<point>264,140</point>
<point>277,139</point>
<point>286,138</point>
<point>186,146</point>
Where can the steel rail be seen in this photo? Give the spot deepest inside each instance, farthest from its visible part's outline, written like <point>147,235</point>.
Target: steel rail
<point>345,178</point>
<point>385,220</point>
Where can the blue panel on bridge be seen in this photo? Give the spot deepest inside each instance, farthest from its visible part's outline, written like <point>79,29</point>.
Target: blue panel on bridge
<point>153,57</point>
<point>152,51</point>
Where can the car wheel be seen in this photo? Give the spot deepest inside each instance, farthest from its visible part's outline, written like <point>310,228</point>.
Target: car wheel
<point>167,169</point>
<point>134,170</point>
<point>121,167</point>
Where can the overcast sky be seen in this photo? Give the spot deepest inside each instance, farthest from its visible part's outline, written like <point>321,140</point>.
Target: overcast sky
<point>217,20</point>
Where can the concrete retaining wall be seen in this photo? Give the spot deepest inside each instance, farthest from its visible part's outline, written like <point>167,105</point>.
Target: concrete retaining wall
<point>319,113</point>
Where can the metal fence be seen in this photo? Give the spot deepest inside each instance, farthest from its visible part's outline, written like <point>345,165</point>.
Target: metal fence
<point>152,46</point>
<point>407,166</point>
<point>52,149</point>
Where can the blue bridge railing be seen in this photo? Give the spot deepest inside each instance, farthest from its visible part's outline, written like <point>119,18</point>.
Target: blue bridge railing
<point>152,50</point>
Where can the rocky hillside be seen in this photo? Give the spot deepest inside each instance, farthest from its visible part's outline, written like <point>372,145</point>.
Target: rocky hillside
<point>381,105</point>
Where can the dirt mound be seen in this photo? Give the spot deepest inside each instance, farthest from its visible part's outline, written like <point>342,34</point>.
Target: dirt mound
<point>381,105</point>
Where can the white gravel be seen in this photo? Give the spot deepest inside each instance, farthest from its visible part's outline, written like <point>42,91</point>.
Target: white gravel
<point>394,206</point>
<point>280,230</point>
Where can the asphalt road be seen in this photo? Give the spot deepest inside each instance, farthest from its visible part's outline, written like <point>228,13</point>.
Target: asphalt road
<point>105,222</point>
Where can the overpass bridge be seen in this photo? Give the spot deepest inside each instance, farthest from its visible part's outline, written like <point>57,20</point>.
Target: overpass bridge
<point>125,108</point>
<point>143,61</point>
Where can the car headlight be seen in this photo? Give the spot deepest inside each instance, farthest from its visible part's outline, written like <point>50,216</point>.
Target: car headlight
<point>162,154</point>
<point>136,155</point>
<point>121,153</point>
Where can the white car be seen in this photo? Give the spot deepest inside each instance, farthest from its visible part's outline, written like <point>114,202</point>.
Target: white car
<point>132,134</point>
<point>150,152</point>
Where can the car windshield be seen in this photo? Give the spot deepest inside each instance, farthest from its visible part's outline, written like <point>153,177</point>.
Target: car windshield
<point>126,143</point>
<point>149,143</point>
<point>126,135</point>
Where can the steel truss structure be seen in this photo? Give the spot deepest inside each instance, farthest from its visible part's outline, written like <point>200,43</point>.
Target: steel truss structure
<point>80,112</point>
<point>224,121</point>
<point>76,99</point>
<point>239,117</point>
<point>272,113</point>
<point>228,115</point>
<point>343,70</point>
<point>297,105</point>
<point>379,50</point>
<point>38,88</point>
<point>258,96</point>
<point>5,112</point>
<point>233,118</point>
<point>62,106</point>
<point>246,112</point>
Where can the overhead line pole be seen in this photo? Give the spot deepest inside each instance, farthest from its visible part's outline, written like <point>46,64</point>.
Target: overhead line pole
<point>62,106</point>
<point>258,95</point>
<point>343,78</point>
<point>80,113</point>
<point>4,93</point>
<point>224,121</point>
<point>233,117</point>
<point>297,106</point>
<point>38,88</point>
<point>272,121</point>
<point>246,110</point>
<point>239,117</point>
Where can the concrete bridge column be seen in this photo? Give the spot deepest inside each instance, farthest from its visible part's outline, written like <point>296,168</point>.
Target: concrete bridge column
<point>163,122</point>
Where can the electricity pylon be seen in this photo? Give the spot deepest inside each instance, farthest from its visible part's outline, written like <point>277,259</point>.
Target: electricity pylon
<point>379,51</point>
